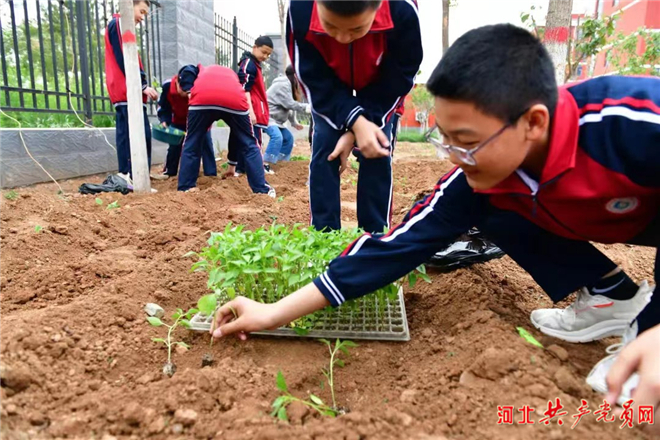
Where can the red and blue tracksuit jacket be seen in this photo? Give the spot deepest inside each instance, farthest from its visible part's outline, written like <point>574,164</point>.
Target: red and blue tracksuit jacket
<point>380,67</point>
<point>601,182</point>
<point>172,107</point>
<point>252,79</point>
<point>115,75</point>
<point>213,88</point>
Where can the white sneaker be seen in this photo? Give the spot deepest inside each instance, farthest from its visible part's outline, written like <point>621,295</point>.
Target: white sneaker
<point>272,193</point>
<point>161,176</point>
<point>237,174</point>
<point>597,378</point>
<point>127,178</point>
<point>591,317</point>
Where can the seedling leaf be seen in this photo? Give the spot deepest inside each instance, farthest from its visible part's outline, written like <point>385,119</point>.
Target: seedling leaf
<point>281,383</point>
<point>528,337</point>
<point>340,363</point>
<point>281,414</point>
<point>156,322</point>
<point>277,403</point>
<point>349,344</point>
<point>183,344</point>
<point>315,399</point>
<point>207,304</point>
<point>99,201</point>
<point>158,340</point>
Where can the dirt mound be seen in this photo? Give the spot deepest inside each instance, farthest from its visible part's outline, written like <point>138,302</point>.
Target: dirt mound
<point>78,360</point>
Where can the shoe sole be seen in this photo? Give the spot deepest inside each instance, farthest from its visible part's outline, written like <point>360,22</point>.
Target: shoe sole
<point>596,332</point>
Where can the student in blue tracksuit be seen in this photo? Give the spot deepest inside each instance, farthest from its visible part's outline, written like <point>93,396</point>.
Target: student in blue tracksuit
<point>543,172</point>
<point>173,111</point>
<point>356,60</point>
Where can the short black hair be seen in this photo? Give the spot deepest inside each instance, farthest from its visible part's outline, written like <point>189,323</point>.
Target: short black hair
<point>137,2</point>
<point>501,69</point>
<point>349,8</point>
<point>263,40</point>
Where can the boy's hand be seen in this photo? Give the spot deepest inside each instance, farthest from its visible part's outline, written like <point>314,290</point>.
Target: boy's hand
<point>242,316</point>
<point>163,124</point>
<point>343,150</point>
<point>231,169</point>
<point>253,118</point>
<point>298,127</point>
<point>371,140</point>
<point>151,93</point>
<point>642,356</point>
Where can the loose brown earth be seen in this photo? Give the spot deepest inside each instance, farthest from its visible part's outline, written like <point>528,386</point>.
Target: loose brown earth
<point>78,361</point>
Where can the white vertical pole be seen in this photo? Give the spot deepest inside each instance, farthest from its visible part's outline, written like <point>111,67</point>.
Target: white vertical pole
<point>139,161</point>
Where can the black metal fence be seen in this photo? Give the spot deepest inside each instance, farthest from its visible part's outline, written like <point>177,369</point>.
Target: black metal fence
<point>231,42</point>
<point>53,55</point>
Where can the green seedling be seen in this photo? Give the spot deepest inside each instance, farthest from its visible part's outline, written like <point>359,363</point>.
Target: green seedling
<point>298,158</point>
<point>280,404</point>
<point>113,205</point>
<point>528,337</point>
<point>38,229</point>
<point>207,305</point>
<point>224,166</point>
<point>269,263</point>
<point>342,346</point>
<point>280,199</point>
<point>98,201</point>
<point>179,318</point>
<point>11,195</point>
<point>355,165</point>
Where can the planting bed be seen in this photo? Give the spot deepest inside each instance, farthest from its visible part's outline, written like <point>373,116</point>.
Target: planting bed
<point>78,360</point>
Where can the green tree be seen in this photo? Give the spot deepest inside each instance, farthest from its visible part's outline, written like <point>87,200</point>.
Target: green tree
<point>626,59</point>
<point>423,102</point>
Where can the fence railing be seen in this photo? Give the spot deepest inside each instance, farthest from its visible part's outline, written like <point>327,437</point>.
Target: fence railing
<point>231,42</point>
<point>53,55</point>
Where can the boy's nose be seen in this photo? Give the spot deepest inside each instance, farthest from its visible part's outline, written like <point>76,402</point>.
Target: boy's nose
<point>344,38</point>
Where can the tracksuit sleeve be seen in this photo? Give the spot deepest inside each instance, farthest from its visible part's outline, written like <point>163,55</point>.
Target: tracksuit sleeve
<point>329,97</point>
<point>187,76</point>
<point>247,73</point>
<point>143,78</point>
<point>374,261</point>
<point>115,41</point>
<point>398,69</point>
<point>164,106</point>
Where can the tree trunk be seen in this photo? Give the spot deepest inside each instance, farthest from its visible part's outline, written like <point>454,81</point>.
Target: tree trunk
<point>139,163</point>
<point>281,7</point>
<point>445,26</point>
<point>557,33</point>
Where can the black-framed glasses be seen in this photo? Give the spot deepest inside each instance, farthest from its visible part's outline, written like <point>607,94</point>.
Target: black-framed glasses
<point>464,155</point>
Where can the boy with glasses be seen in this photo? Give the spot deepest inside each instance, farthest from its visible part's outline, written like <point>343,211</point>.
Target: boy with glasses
<point>542,172</point>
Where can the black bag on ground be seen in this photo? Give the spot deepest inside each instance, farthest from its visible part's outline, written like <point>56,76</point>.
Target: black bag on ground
<point>467,250</point>
<point>112,183</point>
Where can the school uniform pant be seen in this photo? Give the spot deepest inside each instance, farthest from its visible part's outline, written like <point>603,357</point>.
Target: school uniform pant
<point>171,167</point>
<point>240,136</point>
<point>234,158</point>
<point>123,142</point>
<point>374,185</point>
<point>560,265</point>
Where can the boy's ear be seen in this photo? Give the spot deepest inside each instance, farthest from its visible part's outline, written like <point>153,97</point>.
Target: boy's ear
<point>537,122</point>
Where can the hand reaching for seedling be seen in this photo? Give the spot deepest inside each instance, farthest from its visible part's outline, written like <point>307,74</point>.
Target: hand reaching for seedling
<point>151,93</point>
<point>242,316</point>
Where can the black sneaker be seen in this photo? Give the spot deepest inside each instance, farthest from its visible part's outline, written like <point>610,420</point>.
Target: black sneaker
<point>267,169</point>
<point>469,249</point>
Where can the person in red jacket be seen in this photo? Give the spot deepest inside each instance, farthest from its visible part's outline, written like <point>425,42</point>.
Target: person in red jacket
<point>215,94</point>
<point>251,76</point>
<point>543,172</point>
<point>173,111</point>
<point>115,79</point>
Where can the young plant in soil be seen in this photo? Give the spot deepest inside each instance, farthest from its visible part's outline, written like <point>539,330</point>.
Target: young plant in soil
<point>179,318</point>
<point>207,305</point>
<point>342,346</point>
<point>11,195</point>
<point>314,402</point>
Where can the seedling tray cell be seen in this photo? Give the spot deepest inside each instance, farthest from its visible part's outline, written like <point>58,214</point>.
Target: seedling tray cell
<point>387,323</point>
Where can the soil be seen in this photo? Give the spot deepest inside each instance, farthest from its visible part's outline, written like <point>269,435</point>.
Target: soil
<point>78,360</point>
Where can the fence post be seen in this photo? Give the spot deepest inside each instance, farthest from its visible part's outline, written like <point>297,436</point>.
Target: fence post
<point>84,62</point>
<point>234,52</point>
